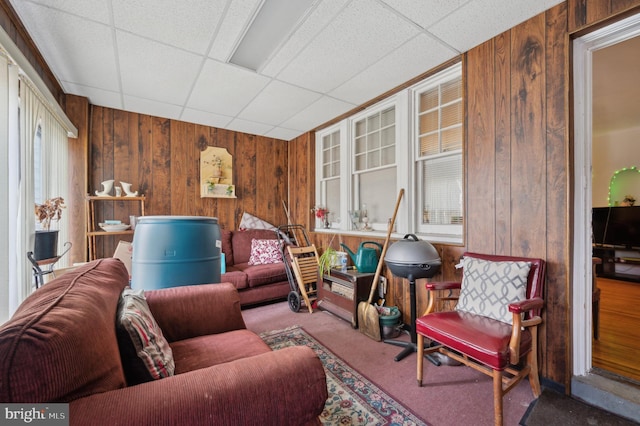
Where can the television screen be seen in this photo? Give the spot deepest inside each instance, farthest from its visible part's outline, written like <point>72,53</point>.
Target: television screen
<point>623,227</point>
<point>599,217</point>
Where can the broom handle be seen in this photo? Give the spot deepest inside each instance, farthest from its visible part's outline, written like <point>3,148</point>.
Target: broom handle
<point>374,286</point>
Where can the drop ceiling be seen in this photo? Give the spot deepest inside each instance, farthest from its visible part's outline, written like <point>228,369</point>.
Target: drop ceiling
<point>170,58</point>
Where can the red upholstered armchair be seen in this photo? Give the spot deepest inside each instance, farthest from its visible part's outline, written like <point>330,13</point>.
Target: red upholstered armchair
<point>494,325</point>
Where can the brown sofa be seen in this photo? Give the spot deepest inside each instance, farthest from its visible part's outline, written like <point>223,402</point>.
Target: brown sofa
<point>61,346</point>
<point>255,283</point>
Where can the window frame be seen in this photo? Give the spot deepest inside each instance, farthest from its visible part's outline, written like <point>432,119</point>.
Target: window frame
<point>405,102</point>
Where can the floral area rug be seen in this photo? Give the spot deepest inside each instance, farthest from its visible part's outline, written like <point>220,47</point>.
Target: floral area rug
<point>353,399</point>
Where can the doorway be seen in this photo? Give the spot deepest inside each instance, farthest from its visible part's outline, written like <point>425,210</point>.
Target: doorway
<point>599,389</point>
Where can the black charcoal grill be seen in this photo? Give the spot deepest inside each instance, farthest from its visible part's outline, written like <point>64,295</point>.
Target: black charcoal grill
<point>412,259</point>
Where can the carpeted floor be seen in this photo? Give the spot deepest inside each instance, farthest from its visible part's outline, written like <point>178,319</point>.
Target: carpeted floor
<point>553,408</point>
<point>353,399</point>
<point>456,396</point>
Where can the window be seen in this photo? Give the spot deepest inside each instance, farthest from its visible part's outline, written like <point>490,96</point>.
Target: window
<point>374,166</point>
<point>439,113</point>
<point>330,174</point>
<point>411,140</point>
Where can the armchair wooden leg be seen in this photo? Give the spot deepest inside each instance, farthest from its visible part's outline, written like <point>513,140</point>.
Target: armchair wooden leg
<point>534,378</point>
<point>497,397</point>
<point>420,357</point>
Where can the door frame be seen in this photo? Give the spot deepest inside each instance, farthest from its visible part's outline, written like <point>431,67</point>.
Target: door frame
<point>583,49</point>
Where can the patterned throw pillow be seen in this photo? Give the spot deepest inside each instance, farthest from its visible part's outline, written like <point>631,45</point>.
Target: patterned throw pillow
<point>488,287</point>
<point>145,352</point>
<point>264,252</point>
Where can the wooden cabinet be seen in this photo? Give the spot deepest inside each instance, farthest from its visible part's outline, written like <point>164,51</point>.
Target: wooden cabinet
<point>93,229</point>
<point>341,292</point>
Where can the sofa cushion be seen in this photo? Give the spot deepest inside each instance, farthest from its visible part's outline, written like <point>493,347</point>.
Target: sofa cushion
<point>145,352</point>
<point>488,287</point>
<point>241,242</point>
<point>60,344</point>
<point>258,275</point>
<point>235,277</point>
<point>264,252</point>
<point>213,349</point>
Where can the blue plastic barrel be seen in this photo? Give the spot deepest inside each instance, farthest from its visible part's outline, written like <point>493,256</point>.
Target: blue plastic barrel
<point>171,251</point>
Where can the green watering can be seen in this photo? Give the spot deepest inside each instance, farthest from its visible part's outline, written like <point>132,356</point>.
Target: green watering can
<point>366,259</point>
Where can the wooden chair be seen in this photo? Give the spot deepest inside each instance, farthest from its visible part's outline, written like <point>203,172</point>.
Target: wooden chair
<point>506,352</point>
<point>304,262</point>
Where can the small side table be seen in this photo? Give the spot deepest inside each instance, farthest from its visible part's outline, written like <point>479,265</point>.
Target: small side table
<point>37,265</point>
<point>341,291</point>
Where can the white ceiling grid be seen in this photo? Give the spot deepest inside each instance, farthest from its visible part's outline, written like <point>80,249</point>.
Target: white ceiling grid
<point>168,58</point>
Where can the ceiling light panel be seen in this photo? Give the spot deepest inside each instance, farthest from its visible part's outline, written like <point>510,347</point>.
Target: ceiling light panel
<point>275,20</point>
<point>236,18</point>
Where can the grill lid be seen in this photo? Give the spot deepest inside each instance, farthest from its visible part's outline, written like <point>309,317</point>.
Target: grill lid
<point>412,258</point>
<point>412,251</point>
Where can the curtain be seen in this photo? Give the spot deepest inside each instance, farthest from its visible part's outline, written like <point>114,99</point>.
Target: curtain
<point>30,118</point>
<point>55,151</point>
<point>10,271</point>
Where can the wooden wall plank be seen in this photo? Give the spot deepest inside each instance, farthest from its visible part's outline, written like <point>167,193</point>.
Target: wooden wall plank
<point>558,224</point>
<point>502,107</point>
<point>480,162</point>
<point>583,14</point>
<point>179,131</point>
<point>528,148</point>
<point>159,196</point>
<point>77,109</point>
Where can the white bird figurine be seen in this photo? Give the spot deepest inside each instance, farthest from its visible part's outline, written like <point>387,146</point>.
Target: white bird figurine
<point>106,188</point>
<point>127,189</point>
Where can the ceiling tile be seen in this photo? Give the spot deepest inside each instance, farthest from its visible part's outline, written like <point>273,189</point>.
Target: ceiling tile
<point>415,57</point>
<point>154,71</point>
<point>170,22</point>
<point>205,118</point>
<point>504,14</point>
<point>77,50</point>
<point>237,16</point>
<point>283,134</point>
<point>105,98</point>
<point>319,112</point>
<point>278,102</point>
<point>224,88</point>
<point>425,13</point>
<point>158,109</point>
<point>362,34</point>
<point>97,10</point>
<point>251,127</point>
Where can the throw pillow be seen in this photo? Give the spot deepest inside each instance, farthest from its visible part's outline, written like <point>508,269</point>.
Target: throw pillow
<point>488,287</point>
<point>144,351</point>
<point>264,252</point>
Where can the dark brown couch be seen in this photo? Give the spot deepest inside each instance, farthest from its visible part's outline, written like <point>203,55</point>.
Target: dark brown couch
<point>61,346</point>
<point>255,283</point>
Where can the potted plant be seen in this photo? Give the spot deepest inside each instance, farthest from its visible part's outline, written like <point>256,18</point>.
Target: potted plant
<point>46,240</point>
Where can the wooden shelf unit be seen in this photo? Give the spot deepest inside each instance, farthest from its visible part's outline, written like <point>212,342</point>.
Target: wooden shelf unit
<point>341,292</point>
<point>92,227</point>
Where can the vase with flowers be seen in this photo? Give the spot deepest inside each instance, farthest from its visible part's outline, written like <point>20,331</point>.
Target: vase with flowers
<point>322,213</point>
<point>46,240</point>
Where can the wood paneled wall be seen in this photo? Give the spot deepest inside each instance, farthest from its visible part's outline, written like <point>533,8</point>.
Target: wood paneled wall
<point>517,158</point>
<point>161,158</point>
<point>586,14</point>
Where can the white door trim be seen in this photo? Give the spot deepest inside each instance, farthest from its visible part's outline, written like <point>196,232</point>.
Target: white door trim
<point>583,49</point>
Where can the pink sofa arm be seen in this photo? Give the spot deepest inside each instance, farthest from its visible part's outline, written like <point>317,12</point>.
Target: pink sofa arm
<point>196,310</point>
<point>287,386</point>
